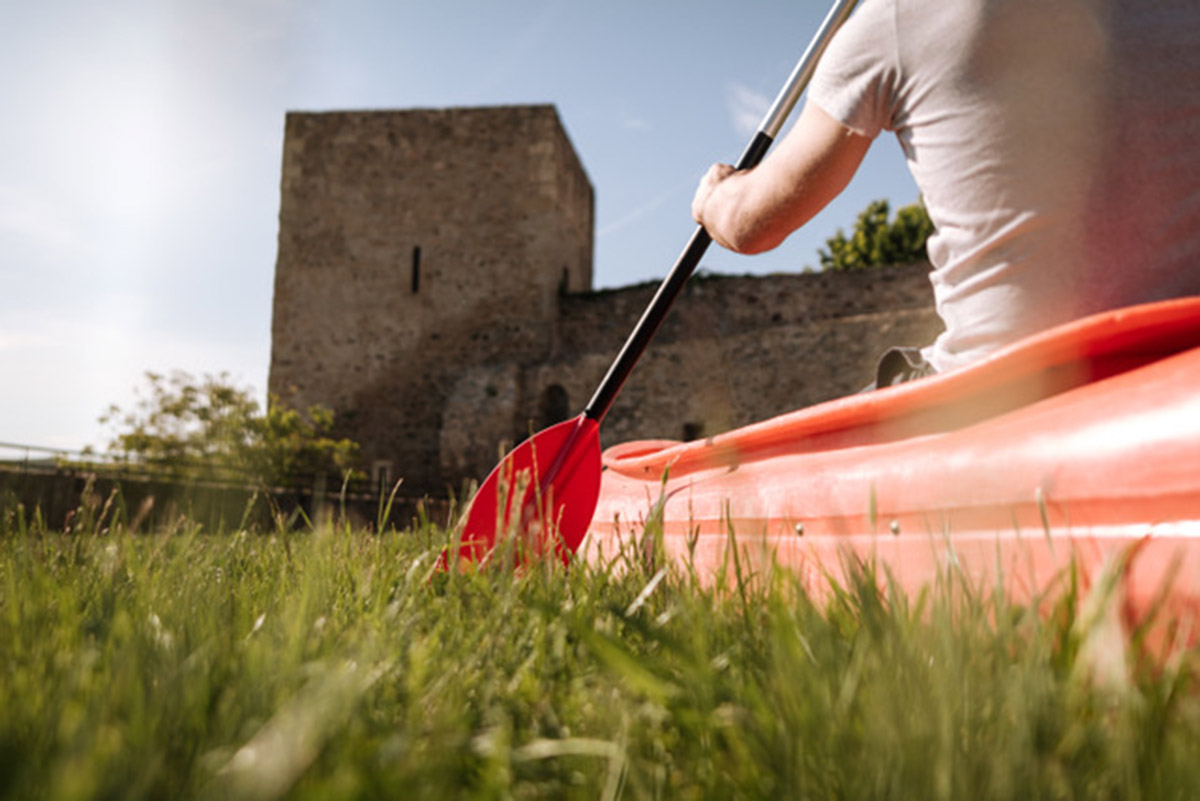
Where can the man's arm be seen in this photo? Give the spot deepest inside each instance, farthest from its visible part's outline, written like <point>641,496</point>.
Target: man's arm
<point>755,210</point>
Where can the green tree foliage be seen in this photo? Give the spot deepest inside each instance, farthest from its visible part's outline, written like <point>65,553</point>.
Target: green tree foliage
<point>207,428</point>
<point>876,242</point>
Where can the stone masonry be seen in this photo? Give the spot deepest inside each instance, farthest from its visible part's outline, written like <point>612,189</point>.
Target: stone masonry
<point>434,287</point>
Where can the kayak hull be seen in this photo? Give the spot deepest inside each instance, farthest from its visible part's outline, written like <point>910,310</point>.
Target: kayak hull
<point>1080,446</point>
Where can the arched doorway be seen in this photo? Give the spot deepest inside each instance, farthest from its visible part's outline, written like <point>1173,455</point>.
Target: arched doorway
<point>554,407</point>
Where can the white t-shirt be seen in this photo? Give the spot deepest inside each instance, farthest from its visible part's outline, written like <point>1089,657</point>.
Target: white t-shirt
<point>1056,144</point>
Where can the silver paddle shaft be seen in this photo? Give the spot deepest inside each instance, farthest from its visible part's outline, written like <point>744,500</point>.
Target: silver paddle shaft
<point>787,98</point>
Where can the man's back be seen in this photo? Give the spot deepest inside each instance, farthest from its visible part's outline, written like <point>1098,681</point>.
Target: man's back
<point>1054,141</point>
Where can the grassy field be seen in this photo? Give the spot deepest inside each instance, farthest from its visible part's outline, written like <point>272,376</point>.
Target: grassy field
<point>334,664</point>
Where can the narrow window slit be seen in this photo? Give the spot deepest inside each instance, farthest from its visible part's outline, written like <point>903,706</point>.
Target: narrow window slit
<point>416,269</point>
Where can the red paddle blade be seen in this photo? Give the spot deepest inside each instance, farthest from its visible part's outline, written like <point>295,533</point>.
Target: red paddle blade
<point>544,492</point>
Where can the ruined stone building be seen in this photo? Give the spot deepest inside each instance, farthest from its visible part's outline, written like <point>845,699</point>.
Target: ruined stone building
<point>434,287</point>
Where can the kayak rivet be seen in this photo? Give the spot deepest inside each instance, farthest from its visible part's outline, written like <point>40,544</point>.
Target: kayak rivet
<point>799,529</point>
<point>895,526</point>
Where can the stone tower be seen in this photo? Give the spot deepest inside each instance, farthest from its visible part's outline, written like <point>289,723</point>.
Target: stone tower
<point>414,245</point>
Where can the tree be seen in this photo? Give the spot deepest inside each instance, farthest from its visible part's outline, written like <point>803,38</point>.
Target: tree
<point>208,428</point>
<point>876,242</point>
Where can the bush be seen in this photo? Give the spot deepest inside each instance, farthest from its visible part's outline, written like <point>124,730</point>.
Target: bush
<point>207,428</point>
<point>876,242</point>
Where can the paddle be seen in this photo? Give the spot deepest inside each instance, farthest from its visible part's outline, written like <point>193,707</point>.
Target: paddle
<point>544,492</point>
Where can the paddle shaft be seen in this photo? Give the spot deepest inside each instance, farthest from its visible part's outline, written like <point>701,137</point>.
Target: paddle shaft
<point>672,285</point>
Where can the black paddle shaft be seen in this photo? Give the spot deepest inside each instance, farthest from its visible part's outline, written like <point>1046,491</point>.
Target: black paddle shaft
<point>664,299</point>
<point>688,260</point>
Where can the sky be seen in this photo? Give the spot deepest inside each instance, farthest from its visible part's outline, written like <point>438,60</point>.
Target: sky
<point>141,144</point>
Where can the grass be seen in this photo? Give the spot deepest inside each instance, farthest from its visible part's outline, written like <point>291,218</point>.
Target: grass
<point>335,664</point>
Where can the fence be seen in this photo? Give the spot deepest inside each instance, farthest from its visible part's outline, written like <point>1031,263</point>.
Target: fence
<point>66,488</point>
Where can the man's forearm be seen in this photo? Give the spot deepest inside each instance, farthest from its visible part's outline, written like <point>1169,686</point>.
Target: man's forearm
<point>755,210</point>
<point>730,207</point>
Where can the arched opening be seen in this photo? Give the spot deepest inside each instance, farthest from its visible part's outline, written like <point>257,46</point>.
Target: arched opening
<point>554,407</point>
<point>381,475</point>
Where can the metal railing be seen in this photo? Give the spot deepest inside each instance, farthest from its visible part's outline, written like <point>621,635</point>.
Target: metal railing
<point>27,458</point>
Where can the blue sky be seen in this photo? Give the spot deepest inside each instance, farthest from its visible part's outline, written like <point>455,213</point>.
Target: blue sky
<point>141,144</point>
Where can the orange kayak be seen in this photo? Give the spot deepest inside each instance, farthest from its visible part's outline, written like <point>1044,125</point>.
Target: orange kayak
<point>1079,445</point>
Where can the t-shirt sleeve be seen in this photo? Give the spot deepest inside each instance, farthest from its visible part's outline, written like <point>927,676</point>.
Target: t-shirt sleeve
<point>856,79</point>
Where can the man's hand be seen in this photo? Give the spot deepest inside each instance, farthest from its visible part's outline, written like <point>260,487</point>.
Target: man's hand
<point>715,175</point>
<point>755,210</point>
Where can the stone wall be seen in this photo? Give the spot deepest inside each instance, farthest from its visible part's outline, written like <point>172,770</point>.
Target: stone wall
<point>433,287</point>
<point>734,350</point>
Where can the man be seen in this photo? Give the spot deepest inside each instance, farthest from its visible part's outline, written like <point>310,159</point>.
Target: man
<point>1056,144</point>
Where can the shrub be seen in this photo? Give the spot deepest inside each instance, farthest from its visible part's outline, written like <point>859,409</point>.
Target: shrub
<point>876,242</point>
<point>208,428</point>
